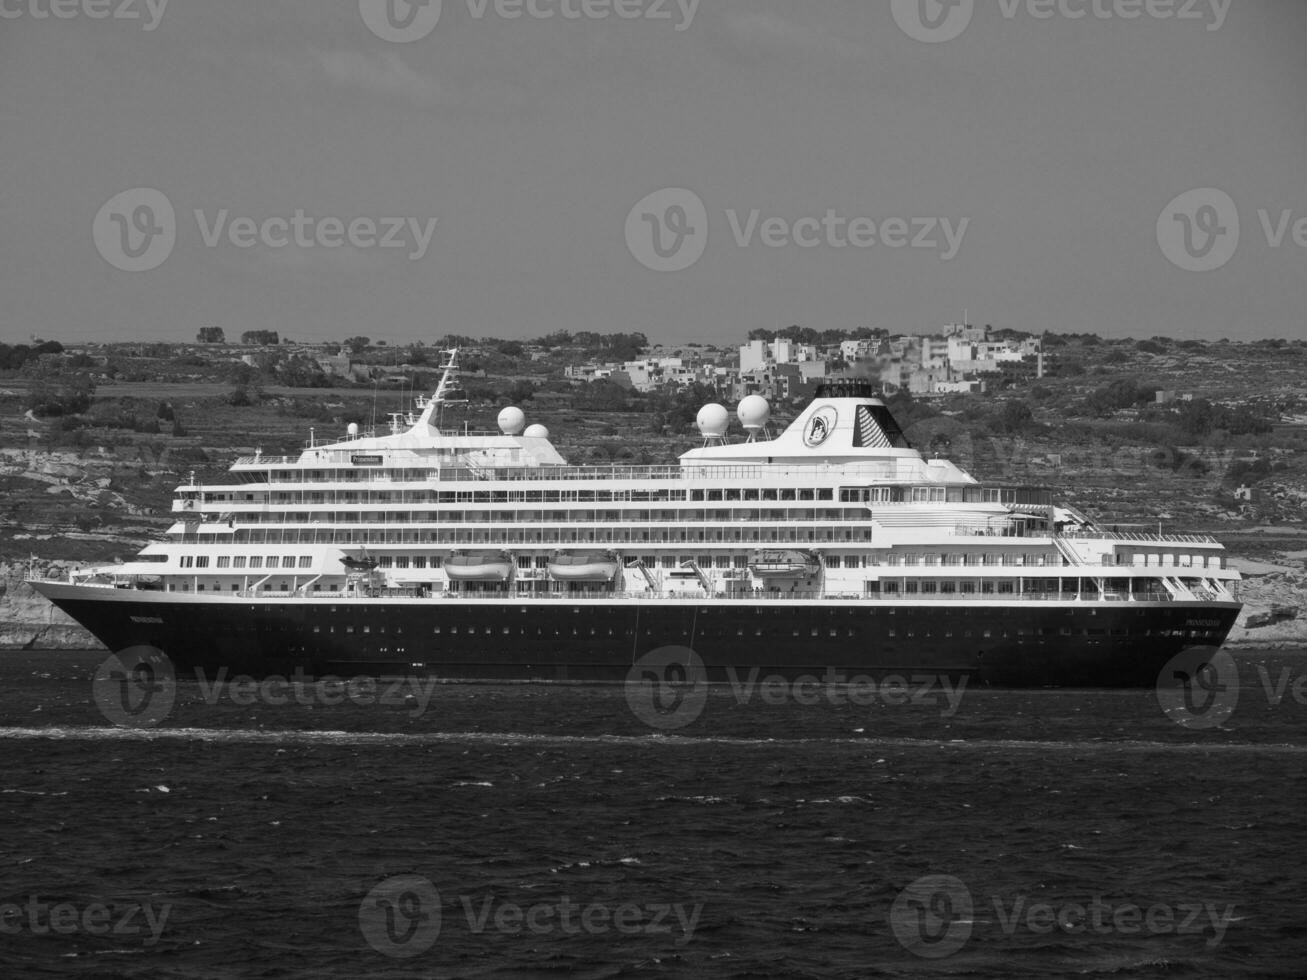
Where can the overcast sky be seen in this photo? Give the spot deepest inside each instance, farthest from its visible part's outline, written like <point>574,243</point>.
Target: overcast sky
<point>1019,166</point>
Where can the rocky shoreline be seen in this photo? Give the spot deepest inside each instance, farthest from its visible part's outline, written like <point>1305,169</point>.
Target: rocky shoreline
<point>28,621</point>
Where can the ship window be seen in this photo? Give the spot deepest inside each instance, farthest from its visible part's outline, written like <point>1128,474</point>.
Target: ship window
<point>287,561</point>
<point>238,561</point>
<point>306,561</point>
<point>272,561</point>
<point>224,561</point>
<point>256,561</point>
<point>188,561</point>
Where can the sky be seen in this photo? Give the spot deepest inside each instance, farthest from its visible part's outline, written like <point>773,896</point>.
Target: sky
<point>690,170</point>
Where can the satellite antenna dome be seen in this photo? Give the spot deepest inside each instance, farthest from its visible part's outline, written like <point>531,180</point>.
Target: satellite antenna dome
<point>511,420</point>
<point>353,430</point>
<point>753,411</point>
<point>713,420</point>
<point>536,431</point>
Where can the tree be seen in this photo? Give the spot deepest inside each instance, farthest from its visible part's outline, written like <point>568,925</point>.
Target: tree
<point>267,338</point>
<point>357,345</point>
<point>210,335</point>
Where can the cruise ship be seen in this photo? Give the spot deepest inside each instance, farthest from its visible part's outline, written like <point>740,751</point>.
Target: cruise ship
<point>830,546</point>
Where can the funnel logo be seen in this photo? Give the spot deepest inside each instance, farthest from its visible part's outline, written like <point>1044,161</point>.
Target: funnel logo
<point>667,688</point>
<point>1199,230</point>
<point>400,917</point>
<point>1199,688</point>
<point>819,427</point>
<point>932,917</point>
<point>135,231</point>
<point>932,21</point>
<point>135,688</point>
<point>667,230</point>
<point>400,21</point>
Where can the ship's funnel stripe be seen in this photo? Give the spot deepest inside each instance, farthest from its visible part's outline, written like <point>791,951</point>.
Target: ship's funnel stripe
<point>868,434</point>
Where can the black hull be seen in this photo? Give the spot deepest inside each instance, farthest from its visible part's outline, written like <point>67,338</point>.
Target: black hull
<point>1018,644</point>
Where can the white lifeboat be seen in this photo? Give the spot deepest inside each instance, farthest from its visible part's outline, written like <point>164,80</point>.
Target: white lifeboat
<point>784,564</point>
<point>479,566</point>
<point>581,567</point>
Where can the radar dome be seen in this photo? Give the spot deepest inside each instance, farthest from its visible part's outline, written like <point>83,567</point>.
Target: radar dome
<point>536,431</point>
<point>713,419</point>
<point>511,420</point>
<point>353,430</point>
<point>753,411</point>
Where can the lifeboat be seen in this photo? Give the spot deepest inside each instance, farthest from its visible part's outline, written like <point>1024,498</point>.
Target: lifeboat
<point>784,564</point>
<point>594,567</point>
<point>479,566</point>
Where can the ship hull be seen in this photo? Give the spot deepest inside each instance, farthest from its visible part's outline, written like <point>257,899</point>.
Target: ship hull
<point>1015,644</point>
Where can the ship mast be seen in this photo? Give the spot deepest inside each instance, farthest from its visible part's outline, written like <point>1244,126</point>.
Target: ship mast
<point>448,392</point>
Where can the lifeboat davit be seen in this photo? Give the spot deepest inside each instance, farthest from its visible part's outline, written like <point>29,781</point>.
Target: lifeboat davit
<point>593,567</point>
<point>479,566</point>
<point>784,564</point>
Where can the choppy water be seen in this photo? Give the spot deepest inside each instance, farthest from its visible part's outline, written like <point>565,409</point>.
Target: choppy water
<point>524,830</point>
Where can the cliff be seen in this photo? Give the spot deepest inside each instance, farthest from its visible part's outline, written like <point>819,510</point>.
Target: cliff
<point>28,621</point>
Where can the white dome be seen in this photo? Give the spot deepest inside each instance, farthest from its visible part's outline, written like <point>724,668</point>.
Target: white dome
<point>753,411</point>
<point>352,429</point>
<point>511,421</point>
<point>713,419</point>
<point>536,431</point>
